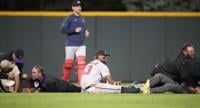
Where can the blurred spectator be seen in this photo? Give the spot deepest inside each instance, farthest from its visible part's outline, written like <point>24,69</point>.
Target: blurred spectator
<point>103,5</point>
<point>162,5</point>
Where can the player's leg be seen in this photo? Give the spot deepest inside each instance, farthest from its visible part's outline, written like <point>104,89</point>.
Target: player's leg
<point>132,89</point>
<point>69,57</point>
<point>70,87</point>
<point>104,88</point>
<point>160,78</point>
<point>175,88</point>
<point>81,62</point>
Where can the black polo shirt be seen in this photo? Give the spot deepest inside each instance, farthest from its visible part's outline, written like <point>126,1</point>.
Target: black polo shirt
<point>53,84</point>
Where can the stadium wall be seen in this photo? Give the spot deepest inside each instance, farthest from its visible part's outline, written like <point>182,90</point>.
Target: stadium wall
<point>136,42</point>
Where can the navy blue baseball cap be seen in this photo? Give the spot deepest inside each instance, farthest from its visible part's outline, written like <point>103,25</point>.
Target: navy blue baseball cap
<point>76,3</point>
<point>101,52</point>
<point>19,53</point>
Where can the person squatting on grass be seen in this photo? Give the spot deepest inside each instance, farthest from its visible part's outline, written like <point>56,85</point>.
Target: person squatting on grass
<point>171,75</point>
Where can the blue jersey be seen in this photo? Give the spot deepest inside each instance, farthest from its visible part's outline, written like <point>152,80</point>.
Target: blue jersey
<point>69,26</point>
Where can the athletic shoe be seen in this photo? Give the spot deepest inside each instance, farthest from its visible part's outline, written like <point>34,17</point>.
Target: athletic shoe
<point>146,87</point>
<point>135,84</point>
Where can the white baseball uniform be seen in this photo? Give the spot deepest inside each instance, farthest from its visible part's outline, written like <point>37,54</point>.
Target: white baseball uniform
<point>93,73</point>
<point>74,50</point>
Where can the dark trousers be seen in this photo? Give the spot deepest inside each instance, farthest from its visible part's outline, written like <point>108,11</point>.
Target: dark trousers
<point>160,83</point>
<point>69,87</point>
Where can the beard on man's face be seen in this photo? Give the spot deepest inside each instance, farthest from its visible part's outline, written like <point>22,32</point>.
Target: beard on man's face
<point>104,61</point>
<point>189,56</point>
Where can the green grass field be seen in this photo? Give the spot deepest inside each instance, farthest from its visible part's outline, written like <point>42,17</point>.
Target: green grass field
<point>85,100</point>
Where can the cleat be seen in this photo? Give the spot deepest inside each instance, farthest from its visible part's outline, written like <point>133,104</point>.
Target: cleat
<point>132,84</point>
<point>145,89</point>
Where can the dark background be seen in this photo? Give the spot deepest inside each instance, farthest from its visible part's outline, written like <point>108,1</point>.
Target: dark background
<point>102,5</point>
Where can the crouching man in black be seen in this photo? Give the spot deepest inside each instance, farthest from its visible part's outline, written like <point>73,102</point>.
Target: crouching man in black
<point>169,75</point>
<point>45,83</point>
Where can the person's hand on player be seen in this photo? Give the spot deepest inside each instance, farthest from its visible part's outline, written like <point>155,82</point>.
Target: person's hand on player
<point>87,33</point>
<point>198,90</point>
<point>117,83</point>
<point>25,76</point>
<point>78,29</point>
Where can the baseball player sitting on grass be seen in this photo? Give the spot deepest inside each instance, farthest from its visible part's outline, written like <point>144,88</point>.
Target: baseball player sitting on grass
<point>96,71</point>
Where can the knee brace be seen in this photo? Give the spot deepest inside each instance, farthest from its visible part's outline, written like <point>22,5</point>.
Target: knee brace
<point>67,68</point>
<point>81,62</point>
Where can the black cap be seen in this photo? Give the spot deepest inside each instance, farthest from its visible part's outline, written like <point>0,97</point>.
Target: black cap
<point>102,52</point>
<point>76,3</point>
<point>19,53</point>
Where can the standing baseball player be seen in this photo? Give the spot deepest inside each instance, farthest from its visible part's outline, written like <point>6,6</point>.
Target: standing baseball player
<point>75,28</point>
<point>96,71</point>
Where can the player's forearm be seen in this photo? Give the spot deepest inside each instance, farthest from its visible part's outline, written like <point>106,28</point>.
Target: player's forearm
<point>31,90</point>
<point>192,89</point>
<point>16,83</point>
<point>68,30</point>
<point>198,90</point>
<point>111,81</point>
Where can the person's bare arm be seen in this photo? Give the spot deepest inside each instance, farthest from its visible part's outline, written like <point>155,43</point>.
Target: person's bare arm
<point>198,90</point>
<point>194,90</point>
<point>31,90</point>
<point>16,83</point>
<point>111,81</point>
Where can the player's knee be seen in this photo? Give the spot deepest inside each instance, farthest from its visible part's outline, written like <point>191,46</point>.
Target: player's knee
<point>159,75</point>
<point>81,60</point>
<point>68,63</point>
